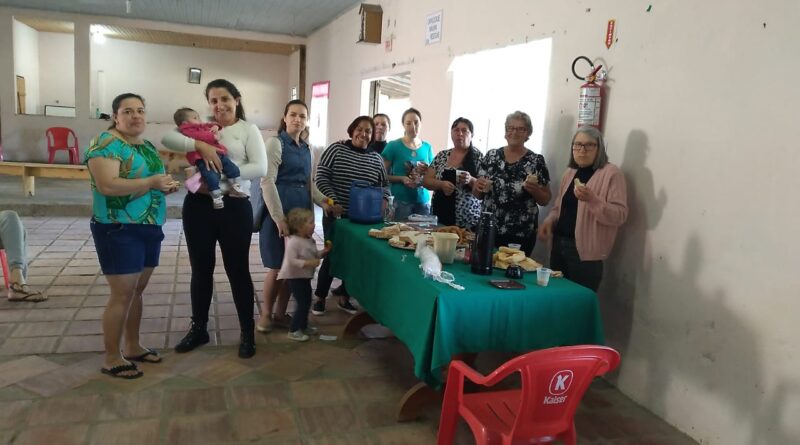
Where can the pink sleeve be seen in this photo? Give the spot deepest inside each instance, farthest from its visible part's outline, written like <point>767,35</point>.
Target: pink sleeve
<point>613,210</point>
<point>200,132</point>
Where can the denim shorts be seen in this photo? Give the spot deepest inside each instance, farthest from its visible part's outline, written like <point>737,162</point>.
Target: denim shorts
<point>126,248</point>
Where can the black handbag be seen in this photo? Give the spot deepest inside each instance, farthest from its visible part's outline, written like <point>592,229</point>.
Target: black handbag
<point>259,206</point>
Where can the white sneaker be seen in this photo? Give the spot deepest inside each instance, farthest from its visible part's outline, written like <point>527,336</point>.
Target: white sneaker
<point>297,336</point>
<point>218,202</point>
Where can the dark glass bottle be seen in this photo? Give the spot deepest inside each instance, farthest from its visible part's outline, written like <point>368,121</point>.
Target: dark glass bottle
<point>483,245</point>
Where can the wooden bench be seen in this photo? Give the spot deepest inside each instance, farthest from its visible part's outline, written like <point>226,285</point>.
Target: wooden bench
<point>31,170</point>
<point>173,162</point>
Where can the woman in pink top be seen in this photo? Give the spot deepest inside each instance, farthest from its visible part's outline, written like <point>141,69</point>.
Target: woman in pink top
<point>590,206</point>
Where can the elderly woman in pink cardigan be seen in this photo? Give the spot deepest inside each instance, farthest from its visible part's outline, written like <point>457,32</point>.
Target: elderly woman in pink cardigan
<point>590,206</point>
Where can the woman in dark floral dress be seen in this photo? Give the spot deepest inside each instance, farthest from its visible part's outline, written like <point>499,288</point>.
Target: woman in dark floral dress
<point>453,201</point>
<point>513,182</point>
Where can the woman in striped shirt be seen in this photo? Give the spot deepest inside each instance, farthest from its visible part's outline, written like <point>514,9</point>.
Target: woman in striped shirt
<point>340,165</point>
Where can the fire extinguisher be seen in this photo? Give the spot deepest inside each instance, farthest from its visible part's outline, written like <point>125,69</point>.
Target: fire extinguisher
<point>592,93</point>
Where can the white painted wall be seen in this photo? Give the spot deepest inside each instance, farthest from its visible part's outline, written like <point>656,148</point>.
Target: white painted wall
<point>701,295</point>
<point>56,69</point>
<point>22,137</point>
<point>160,72</point>
<point>26,64</point>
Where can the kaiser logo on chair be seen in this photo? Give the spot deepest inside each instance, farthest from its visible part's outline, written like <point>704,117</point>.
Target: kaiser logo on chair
<point>559,385</point>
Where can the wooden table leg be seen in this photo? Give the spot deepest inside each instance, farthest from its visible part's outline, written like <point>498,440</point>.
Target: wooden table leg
<point>415,400</point>
<point>28,185</point>
<point>355,323</point>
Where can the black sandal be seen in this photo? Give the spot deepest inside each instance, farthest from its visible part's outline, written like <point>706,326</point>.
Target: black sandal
<point>117,371</point>
<point>143,357</point>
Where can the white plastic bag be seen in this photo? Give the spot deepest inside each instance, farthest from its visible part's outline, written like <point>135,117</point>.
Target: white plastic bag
<point>432,267</point>
<point>428,261</point>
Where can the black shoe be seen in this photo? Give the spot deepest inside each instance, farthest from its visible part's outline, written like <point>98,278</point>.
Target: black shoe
<point>348,307</point>
<point>197,336</point>
<point>318,308</point>
<point>247,347</point>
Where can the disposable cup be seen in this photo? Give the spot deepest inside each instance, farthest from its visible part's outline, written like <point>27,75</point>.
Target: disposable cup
<point>444,244</point>
<point>458,175</point>
<point>515,246</point>
<point>543,276</point>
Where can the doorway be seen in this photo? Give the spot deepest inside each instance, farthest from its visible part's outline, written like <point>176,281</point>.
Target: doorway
<point>390,95</point>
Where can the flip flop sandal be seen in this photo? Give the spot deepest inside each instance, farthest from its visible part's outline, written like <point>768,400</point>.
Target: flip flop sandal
<point>117,371</point>
<point>143,357</point>
<point>23,293</point>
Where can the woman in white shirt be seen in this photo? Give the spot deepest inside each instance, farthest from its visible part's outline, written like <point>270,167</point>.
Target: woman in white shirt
<point>231,226</point>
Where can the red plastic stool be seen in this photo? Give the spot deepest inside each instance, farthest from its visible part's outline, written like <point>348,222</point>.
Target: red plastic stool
<point>4,260</point>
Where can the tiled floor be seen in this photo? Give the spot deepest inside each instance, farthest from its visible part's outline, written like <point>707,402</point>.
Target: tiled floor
<point>342,392</point>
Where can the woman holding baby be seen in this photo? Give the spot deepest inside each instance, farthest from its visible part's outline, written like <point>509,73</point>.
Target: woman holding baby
<point>513,182</point>
<point>229,225</point>
<point>590,206</point>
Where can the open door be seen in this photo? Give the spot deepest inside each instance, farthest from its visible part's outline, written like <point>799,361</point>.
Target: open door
<point>20,95</point>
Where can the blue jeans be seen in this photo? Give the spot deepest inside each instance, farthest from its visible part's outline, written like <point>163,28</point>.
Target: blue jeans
<point>12,240</point>
<point>211,177</point>
<point>301,290</point>
<point>403,209</point>
<point>126,248</point>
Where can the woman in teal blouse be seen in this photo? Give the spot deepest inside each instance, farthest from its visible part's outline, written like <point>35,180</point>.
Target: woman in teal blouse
<point>128,209</point>
<point>406,160</point>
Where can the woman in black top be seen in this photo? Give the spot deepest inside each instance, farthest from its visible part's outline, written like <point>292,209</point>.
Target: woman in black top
<point>453,201</point>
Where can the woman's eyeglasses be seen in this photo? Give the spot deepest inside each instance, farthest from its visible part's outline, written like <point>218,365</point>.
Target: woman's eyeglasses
<point>510,129</point>
<point>588,146</point>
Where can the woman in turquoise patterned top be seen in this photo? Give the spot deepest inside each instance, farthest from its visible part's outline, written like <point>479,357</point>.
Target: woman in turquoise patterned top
<point>406,161</point>
<point>128,208</point>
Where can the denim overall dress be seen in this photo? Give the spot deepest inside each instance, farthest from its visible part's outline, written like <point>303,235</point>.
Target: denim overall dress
<point>293,190</point>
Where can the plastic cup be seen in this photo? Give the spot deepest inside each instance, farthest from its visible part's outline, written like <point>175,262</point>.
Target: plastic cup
<point>444,244</point>
<point>543,276</point>
<point>515,246</point>
<point>458,175</point>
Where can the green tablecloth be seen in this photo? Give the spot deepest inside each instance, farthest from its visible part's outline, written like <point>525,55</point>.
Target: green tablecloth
<point>436,321</point>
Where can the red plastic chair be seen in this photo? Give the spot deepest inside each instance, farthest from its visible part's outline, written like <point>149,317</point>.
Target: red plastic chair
<point>4,262</point>
<point>553,383</point>
<point>58,138</point>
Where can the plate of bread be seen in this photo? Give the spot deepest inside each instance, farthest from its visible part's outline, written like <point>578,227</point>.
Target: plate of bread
<point>507,256</point>
<point>408,240</point>
<point>464,236</point>
<point>389,231</point>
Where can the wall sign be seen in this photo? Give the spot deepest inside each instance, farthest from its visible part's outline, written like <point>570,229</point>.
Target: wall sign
<point>610,33</point>
<point>433,28</point>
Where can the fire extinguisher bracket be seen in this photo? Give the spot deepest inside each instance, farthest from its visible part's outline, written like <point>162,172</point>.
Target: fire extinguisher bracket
<point>574,62</point>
